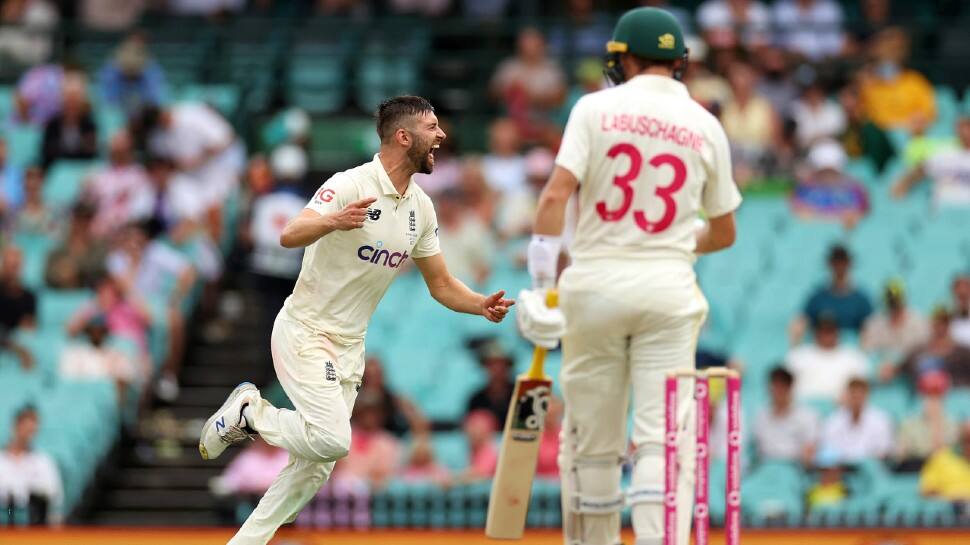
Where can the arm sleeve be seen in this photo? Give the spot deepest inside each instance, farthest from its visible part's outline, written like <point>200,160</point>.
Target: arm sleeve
<point>721,195</point>
<point>574,151</point>
<point>427,245</point>
<point>333,195</point>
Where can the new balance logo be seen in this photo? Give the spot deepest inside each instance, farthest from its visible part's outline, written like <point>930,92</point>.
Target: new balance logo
<point>374,213</point>
<point>331,373</point>
<point>220,424</point>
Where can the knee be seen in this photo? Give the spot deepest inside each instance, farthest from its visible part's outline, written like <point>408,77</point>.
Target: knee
<point>329,445</point>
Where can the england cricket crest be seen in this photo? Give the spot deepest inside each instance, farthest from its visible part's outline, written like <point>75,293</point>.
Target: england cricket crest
<point>530,409</point>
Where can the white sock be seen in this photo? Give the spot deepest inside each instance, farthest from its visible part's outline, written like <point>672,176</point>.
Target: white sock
<point>247,415</point>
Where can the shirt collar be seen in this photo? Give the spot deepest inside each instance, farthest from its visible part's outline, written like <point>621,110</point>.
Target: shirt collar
<point>387,187</point>
<point>662,84</point>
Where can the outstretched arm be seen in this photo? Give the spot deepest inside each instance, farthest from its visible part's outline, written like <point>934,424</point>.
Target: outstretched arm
<point>309,226</point>
<point>454,294</point>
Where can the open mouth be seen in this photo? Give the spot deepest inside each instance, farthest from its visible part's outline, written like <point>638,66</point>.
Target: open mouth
<point>432,150</point>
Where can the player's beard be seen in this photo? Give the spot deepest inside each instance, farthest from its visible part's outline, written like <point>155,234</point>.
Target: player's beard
<point>420,156</point>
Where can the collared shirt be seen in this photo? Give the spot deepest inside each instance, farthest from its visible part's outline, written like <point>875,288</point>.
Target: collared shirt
<point>649,159</point>
<point>822,373</point>
<point>870,437</point>
<point>345,273</point>
<point>785,436</point>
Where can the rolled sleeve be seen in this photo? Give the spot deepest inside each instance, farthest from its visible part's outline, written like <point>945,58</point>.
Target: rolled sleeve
<point>333,195</point>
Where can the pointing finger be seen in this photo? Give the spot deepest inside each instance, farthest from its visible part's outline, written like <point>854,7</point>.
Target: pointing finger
<point>362,203</point>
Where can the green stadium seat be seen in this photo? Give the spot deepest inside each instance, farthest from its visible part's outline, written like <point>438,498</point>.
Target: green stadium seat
<point>223,97</point>
<point>450,450</point>
<point>23,144</point>
<point>65,181</point>
<point>56,307</point>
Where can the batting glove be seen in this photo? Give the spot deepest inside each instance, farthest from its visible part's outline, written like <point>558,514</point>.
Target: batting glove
<point>543,326</point>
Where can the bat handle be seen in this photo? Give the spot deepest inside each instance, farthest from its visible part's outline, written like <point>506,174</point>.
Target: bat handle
<point>536,370</point>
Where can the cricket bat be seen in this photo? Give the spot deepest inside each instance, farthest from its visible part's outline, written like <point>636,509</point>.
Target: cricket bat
<point>512,485</point>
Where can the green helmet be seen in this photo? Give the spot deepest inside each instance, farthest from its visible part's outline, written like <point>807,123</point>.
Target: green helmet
<point>651,33</point>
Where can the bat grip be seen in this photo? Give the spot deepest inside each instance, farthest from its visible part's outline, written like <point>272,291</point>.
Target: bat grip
<point>537,369</point>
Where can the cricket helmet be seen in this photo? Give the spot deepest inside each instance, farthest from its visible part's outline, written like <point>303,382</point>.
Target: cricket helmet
<point>650,33</point>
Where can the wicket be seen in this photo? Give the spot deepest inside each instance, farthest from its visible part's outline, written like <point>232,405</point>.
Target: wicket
<point>732,494</point>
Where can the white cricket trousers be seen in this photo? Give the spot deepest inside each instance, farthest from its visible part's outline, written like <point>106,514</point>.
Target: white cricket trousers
<point>628,324</point>
<point>309,366</point>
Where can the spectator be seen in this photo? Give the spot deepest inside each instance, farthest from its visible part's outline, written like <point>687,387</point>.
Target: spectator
<point>817,118</point>
<point>750,123</point>
<point>144,268</point>
<point>25,30</point>
<point>900,330</point>
<point>124,317</point>
<point>11,183</point>
<point>93,359</point>
<point>810,28</point>
<point>583,33</point>
<point>960,320</point>
<point>31,478</point>
<point>949,170</point>
<point>840,299</point>
<point>728,24</point>
<point>132,80</point>
<point>204,147</point>
<point>253,470</point>
<point>504,165</point>
<point>826,193</point>
<point>470,243</point>
<point>120,192</point>
<point>776,83</point>
<point>480,427</point>
<point>111,15</point>
<point>708,87</point>
<point>80,259</point>
<point>421,465</point>
<point>895,97</point>
<point>547,465</point>
<point>18,306</point>
<point>946,474</point>
<point>588,78</point>
<point>205,7</point>
<point>400,415</point>
<point>480,199</point>
<point>858,431</point>
<point>823,369</point>
<point>862,138</point>
<point>40,92</point>
<point>274,269</point>
<point>35,217</point>
<point>830,488</point>
<point>71,134</point>
<point>426,8</point>
<point>516,210</point>
<point>530,84</point>
<point>940,353</point>
<point>494,396</point>
<point>374,453</point>
<point>785,430</point>
<point>923,433</point>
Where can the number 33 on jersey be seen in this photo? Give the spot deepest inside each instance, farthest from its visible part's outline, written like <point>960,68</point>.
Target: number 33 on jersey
<point>648,164</point>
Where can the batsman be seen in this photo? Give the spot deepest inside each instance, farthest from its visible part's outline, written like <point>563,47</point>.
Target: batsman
<point>647,161</point>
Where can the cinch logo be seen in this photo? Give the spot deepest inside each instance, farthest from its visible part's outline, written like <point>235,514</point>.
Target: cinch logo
<point>381,257</point>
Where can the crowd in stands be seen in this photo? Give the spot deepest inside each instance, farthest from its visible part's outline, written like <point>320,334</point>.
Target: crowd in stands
<point>810,96</point>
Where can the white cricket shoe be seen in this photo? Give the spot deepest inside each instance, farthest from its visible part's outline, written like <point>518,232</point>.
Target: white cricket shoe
<point>228,426</point>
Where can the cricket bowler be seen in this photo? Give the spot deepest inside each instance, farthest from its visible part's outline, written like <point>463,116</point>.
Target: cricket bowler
<point>646,160</point>
<point>359,228</point>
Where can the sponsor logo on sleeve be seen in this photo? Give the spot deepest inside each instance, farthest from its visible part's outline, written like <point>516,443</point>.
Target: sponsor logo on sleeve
<point>324,195</point>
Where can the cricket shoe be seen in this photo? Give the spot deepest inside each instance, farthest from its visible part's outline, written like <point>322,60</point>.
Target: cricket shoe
<point>228,425</point>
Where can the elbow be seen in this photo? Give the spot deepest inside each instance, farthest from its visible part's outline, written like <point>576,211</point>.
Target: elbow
<point>287,240</point>
<point>727,239</point>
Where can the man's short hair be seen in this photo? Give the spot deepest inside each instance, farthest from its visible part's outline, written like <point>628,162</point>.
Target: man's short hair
<point>782,375</point>
<point>858,382</point>
<point>839,252</point>
<point>24,412</point>
<point>392,113</point>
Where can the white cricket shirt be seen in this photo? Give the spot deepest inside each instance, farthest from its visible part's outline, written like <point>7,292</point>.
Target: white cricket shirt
<point>649,159</point>
<point>345,274</point>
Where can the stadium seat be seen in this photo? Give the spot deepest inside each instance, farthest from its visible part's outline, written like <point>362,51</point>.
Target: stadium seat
<point>56,307</point>
<point>23,144</point>
<point>65,181</point>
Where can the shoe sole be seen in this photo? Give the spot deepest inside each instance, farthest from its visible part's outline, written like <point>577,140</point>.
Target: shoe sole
<point>242,387</point>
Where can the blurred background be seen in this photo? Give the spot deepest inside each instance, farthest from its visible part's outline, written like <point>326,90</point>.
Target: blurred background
<point>151,152</point>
